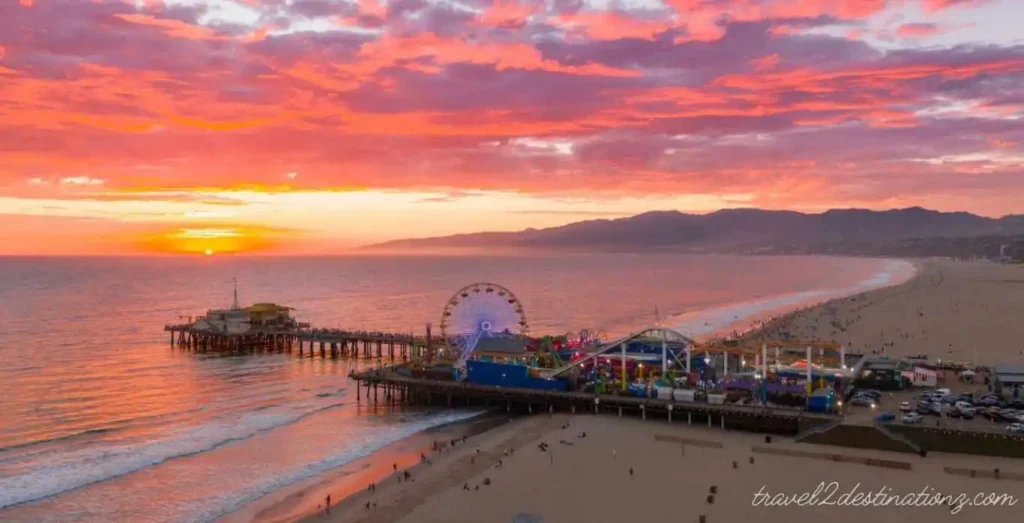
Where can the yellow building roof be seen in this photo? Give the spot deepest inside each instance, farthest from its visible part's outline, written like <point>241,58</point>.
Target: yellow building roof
<point>267,307</point>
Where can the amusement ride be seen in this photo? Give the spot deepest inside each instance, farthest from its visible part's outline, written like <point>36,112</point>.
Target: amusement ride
<point>477,312</point>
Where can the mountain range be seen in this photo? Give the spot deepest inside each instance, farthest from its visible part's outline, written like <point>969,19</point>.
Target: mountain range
<point>753,231</point>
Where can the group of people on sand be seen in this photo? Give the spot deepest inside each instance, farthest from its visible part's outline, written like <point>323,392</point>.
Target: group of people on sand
<point>403,475</point>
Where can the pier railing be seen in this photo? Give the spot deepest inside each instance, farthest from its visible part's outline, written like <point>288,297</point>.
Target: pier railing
<point>385,376</point>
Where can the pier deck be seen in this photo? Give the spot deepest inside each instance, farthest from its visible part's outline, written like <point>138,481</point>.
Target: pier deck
<point>323,342</point>
<point>452,393</point>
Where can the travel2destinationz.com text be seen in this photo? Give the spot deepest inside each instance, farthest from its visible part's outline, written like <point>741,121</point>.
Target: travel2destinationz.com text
<point>830,494</point>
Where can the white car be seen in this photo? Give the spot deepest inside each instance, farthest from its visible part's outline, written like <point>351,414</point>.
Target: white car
<point>905,406</point>
<point>1016,427</point>
<point>911,417</point>
<point>963,405</point>
<point>942,392</point>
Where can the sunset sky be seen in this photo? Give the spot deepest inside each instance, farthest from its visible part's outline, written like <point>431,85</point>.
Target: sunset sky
<point>310,126</point>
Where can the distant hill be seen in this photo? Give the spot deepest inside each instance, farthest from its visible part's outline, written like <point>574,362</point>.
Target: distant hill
<point>748,231</point>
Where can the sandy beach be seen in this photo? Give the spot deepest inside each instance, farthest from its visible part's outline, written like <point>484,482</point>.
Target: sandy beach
<point>950,310</point>
<point>954,311</point>
<point>590,479</point>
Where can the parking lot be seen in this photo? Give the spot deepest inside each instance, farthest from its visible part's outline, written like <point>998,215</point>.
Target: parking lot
<point>890,402</point>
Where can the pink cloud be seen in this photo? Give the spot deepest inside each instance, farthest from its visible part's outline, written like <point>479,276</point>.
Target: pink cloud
<point>918,30</point>
<point>938,5</point>
<point>509,13</point>
<point>613,25</point>
<point>765,63</point>
<point>711,97</point>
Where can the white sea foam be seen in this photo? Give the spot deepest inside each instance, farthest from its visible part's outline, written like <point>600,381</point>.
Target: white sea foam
<point>717,319</point>
<point>63,471</point>
<point>361,444</point>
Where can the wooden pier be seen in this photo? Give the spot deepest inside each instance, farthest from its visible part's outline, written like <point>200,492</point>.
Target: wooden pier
<point>393,387</point>
<point>311,343</point>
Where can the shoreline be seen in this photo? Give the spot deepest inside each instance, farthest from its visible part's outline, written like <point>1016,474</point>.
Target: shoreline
<point>765,325</point>
<point>305,498</point>
<point>443,470</point>
<point>742,327</point>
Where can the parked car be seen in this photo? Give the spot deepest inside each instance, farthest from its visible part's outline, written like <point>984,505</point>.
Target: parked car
<point>937,408</point>
<point>944,392</point>
<point>989,401</point>
<point>912,417</point>
<point>1016,427</point>
<point>905,406</point>
<point>967,413</point>
<point>873,394</point>
<point>963,405</point>
<point>1007,414</point>
<point>862,401</point>
<point>885,417</point>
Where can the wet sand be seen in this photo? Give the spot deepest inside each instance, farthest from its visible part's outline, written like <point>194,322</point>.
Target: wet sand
<point>308,497</point>
<point>953,311</point>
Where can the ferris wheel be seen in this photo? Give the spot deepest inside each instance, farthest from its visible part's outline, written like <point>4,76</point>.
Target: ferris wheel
<point>481,310</point>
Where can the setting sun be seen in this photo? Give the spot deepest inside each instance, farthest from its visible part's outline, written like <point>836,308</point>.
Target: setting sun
<point>208,252</point>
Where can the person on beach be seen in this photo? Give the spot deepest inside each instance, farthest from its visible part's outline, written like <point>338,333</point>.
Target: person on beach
<point>328,503</point>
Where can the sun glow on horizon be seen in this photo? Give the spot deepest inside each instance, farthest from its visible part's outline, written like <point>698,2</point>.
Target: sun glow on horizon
<point>209,241</point>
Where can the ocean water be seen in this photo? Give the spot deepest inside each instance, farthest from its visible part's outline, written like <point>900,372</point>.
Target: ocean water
<point>102,420</point>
